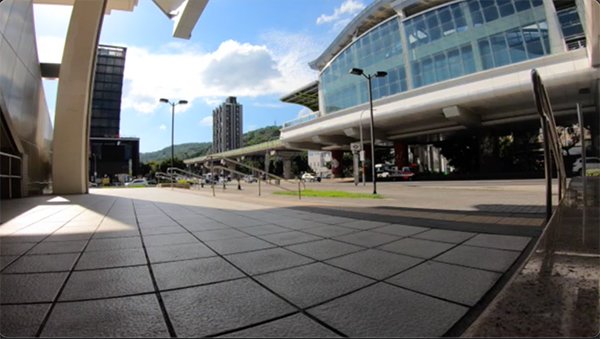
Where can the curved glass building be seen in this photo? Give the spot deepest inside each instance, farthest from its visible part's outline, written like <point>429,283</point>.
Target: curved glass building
<point>451,65</point>
<point>444,42</point>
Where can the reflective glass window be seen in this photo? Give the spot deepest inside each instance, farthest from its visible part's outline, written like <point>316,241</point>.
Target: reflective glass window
<point>380,49</point>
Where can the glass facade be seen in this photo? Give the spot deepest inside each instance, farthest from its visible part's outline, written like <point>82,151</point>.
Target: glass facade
<point>445,42</point>
<point>379,49</point>
<point>108,84</point>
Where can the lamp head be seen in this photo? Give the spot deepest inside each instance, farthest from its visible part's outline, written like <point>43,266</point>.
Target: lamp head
<point>182,102</point>
<point>164,100</point>
<point>380,74</point>
<point>356,71</point>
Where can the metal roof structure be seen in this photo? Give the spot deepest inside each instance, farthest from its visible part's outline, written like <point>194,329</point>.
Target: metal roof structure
<point>307,96</point>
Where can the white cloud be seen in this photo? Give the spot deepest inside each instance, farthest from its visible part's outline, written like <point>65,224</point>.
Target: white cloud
<point>206,121</point>
<point>162,127</point>
<point>345,12</point>
<point>276,67</point>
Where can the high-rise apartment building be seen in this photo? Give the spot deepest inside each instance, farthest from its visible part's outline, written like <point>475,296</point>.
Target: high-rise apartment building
<point>227,126</point>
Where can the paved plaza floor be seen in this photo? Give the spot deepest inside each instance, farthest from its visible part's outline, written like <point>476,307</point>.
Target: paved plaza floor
<point>154,262</point>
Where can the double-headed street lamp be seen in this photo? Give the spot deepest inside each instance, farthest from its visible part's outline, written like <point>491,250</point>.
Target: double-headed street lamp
<point>173,104</point>
<point>378,74</point>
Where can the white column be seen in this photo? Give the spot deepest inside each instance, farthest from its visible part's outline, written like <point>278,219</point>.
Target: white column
<point>72,121</point>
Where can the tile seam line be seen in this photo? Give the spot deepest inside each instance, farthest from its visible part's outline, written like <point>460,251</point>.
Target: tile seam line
<point>64,284</point>
<point>158,296</point>
<point>300,309</point>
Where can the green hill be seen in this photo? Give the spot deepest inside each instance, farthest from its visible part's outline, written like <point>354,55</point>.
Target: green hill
<point>196,149</point>
<point>182,151</point>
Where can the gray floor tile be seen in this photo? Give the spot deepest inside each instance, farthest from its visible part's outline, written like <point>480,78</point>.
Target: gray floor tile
<point>111,244</point>
<point>417,247</point>
<point>193,272</point>
<point>22,288</point>
<point>237,245</point>
<point>115,258</point>
<point>240,222</point>
<point>59,247</point>
<point>324,249</point>
<point>451,282</point>
<point>22,320</point>
<point>179,252</point>
<point>329,230</point>
<point>6,259</point>
<point>382,310</point>
<point>198,225</point>
<point>479,257</point>
<point>334,220</point>
<point>400,230</point>
<point>293,223</point>
<point>227,233</point>
<point>162,230</point>
<point>503,242</point>
<point>268,260</point>
<point>367,238</point>
<point>312,284</point>
<point>265,229</point>
<point>115,234</point>
<point>374,263</point>
<point>454,237</point>
<point>209,310</point>
<point>169,239</point>
<point>363,224</point>
<point>110,282</point>
<point>137,316</point>
<point>43,263</point>
<point>289,238</point>
<point>15,248</point>
<point>295,326</point>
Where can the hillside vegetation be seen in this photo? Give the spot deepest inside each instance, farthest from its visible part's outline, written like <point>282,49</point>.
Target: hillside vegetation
<point>196,149</point>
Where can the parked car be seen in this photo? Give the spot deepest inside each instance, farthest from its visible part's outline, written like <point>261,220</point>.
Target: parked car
<point>250,179</point>
<point>308,177</point>
<point>137,183</point>
<point>590,163</point>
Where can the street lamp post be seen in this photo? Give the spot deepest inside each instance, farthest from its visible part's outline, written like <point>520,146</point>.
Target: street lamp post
<point>378,74</point>
<point>173,104</point>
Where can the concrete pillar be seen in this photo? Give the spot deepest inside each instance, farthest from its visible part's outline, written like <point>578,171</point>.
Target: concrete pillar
<point>401,154</point>
<point>337,169</point>
<point>72,122</point>
<point>267,160</point>
<point>287,167</point>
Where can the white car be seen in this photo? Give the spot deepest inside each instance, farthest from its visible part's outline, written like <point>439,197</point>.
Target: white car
<point>137,183</point>
<point>590,163</point>
<point>308,177</point>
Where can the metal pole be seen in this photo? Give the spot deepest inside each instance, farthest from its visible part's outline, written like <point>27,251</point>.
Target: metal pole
<point>373,174</point>
<point>362,149</point>
<point>582,133</point>
<point>547,169</point>
<point>172,141</point>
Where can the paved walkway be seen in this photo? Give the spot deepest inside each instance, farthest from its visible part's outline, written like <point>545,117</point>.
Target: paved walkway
<point>161,262</point>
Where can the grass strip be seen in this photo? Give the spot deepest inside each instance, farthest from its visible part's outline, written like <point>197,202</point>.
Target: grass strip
<point>331,194</point>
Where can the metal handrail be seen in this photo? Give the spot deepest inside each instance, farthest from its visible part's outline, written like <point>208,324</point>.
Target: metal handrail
<point>174,170</point>
<point>242,174</point>
<point>267,174</point>
<point>551,142</point>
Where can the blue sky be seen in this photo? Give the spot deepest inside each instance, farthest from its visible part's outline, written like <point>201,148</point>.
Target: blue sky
<point>257,50</point>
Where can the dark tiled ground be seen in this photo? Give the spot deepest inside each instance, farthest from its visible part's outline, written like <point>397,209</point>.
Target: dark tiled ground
<point>101,265</point>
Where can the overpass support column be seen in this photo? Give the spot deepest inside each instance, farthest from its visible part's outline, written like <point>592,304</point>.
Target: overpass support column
<point>337,169</point>
<point>72,122</point>
<point>401,154</point>
<point>287,167</point>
